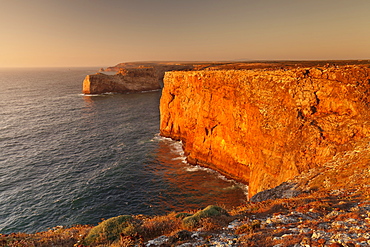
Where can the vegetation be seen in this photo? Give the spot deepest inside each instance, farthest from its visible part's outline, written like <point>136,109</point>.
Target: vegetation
<point>108,231</point>
<point>338,206</point>
<point>178,228</point>
<point>211,211</point>
<point>58,237</point>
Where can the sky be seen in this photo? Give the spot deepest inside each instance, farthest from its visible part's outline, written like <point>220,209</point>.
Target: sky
<point>69,33</point>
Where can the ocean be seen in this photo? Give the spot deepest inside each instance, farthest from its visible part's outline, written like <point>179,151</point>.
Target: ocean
<point>68,158</point>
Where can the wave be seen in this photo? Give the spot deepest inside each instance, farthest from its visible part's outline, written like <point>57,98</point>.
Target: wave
<point>195,168</point>
<point>89,95</point>
<point>113,93</point>
<point>177,148</point>
<point>149,91</point>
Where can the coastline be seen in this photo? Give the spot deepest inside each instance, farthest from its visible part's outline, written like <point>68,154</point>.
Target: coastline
<point>316,212</point>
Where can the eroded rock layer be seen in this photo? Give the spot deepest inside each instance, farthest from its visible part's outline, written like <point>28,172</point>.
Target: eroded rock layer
<point>133,80</point>
<point>131,77</point>
<point>263,127</point>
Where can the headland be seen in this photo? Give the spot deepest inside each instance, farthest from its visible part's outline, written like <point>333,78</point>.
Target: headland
<point>297,132</point>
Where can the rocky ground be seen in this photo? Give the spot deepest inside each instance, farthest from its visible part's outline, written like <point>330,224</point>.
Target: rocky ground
<point>319,223</point>
<point>327,206</point>
<point>326,214</point>
<point>340,220</point>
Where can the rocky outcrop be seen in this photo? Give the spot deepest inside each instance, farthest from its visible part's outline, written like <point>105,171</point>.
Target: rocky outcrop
<point>263,127</point>
<point>131,77</point>
<point>346,171</point>
<point>126,80</point>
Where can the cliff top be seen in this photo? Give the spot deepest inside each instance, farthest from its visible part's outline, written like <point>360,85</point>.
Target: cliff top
<point>193,65</point>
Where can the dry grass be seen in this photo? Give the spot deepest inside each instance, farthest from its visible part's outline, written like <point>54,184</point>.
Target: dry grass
<point>214,219</point>
<point>121,230</point>
<point>249,228</point>
<point>252,233</point>
<point>58,237</point>
<point>159,225</point>
<point>346,216</point>
<point>215,223</point>
<point>194,221</point>
<point>257,239</point>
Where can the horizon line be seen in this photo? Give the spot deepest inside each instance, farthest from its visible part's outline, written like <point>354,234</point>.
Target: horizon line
<point>184,61</point>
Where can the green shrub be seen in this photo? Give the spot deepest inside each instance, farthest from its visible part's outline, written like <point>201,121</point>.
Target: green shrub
<point>108,231</point>
<point>182,215</point>
<point>193,221</point>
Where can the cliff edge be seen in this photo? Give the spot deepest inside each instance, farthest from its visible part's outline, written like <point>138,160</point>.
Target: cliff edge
<point>131,77</point>
<point>133,80</point>
<point>264,127</point>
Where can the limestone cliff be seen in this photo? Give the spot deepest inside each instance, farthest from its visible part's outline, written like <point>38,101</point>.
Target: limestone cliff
<point>131,77</point>
<point>133,80</point>
<point>263,127</point>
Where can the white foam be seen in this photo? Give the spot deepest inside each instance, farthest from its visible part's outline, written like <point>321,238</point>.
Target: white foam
<point>194,168</point>
<point>176,147</point>
<point>182,159</point>
<point>149,91</point>
<point>158,137</point>
<point>112,93</point>
<point>96,94</point>
<point>89,95</point>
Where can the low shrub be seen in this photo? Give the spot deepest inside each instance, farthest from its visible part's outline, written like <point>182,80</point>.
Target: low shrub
<point>182,215</point>
<point>108,231</point>
<point>193,221</point>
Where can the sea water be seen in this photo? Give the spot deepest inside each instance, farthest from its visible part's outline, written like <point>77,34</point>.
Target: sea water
<point>68,158</point>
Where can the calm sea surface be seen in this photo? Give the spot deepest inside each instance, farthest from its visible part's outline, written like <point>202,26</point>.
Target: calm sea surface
<point>68,159</point>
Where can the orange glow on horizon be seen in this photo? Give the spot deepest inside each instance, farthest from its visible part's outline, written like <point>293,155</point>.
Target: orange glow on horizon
<point>95,33</point>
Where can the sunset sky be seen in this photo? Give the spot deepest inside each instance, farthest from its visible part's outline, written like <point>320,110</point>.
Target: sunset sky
<point>106,32</point>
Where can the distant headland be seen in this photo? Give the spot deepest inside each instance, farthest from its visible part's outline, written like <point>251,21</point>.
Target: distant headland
<point>146,76</point>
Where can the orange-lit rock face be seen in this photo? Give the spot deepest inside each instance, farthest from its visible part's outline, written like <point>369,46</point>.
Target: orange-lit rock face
<point>133,80</point>
<point>264,127</point>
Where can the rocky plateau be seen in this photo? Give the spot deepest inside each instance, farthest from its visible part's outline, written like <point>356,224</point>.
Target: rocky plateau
<point>265,126</point>
<point>130,77</point>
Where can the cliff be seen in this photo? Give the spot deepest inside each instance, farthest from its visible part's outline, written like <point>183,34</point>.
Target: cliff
<point>131,77</point>
<point>263,127</point>
<point>145,76</point>
<point>133,80</point>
